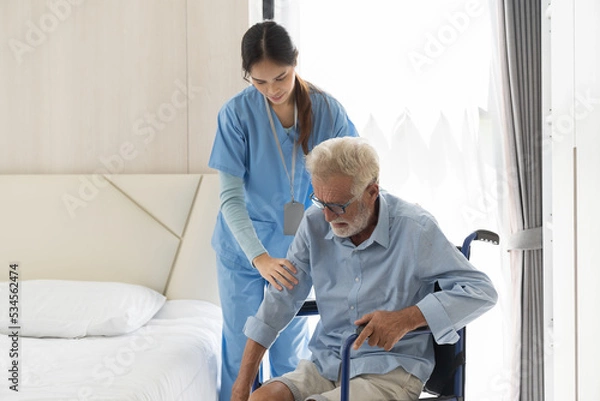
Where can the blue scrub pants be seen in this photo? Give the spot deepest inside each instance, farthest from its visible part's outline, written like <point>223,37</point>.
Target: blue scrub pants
<point>241,289</point>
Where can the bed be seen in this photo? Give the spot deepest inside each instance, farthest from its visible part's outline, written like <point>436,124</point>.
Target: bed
<point>108,287</point>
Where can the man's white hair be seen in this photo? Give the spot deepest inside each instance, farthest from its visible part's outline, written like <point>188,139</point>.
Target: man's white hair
<point>345,156</point>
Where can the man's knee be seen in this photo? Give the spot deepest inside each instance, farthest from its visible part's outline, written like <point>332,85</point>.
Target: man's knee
<point>274,391</point>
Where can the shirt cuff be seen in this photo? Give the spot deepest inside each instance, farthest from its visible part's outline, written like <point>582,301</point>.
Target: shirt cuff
<point>438,321</point>
<point>260,332</point>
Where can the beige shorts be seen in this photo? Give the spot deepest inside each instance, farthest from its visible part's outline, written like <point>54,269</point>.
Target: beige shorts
<point>306,383</point>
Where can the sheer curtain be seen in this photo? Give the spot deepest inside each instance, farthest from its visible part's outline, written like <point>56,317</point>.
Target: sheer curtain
<point>416,78</point>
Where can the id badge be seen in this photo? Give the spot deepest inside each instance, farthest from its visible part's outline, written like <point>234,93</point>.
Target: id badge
<point>292,215</point>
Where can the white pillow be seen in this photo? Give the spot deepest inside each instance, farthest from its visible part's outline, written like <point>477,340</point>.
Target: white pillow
<point>72,309</point>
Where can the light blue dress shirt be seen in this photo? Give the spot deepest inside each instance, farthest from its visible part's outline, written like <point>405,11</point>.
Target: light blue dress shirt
<point>395,268</point>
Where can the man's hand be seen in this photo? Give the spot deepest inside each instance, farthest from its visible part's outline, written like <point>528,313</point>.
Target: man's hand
<point>384,329</point>
<point>276,271</point>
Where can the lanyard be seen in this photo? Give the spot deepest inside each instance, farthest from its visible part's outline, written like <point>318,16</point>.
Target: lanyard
<point>291,179</point>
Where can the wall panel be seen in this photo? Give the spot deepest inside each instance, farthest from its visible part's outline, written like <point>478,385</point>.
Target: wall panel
<point>587,140</point>
<point>108,85</point>
<point>561,357</point>
<point>575,92</point>
<point>215,31</point>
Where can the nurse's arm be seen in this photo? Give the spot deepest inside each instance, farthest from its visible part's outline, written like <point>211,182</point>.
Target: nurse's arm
<point>233,208</point>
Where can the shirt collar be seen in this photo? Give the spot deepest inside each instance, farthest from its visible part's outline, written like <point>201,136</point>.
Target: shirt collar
<point>381,234</point>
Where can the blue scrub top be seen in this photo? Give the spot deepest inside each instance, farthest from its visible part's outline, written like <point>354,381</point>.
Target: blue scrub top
<point>244,146</point>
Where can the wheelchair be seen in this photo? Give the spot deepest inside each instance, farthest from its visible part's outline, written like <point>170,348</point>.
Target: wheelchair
<point>447,381</point>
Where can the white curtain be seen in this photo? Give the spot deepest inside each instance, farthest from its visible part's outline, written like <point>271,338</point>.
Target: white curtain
<point>416,78</point>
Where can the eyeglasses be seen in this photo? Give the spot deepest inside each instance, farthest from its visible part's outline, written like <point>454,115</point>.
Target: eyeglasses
<point>334,207</point>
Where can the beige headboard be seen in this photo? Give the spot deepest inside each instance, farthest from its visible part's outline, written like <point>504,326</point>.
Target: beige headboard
<point>152,230</point>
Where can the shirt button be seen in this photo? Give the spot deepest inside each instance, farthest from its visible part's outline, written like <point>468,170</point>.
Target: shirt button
<point>357,279</point>
<point>352,307</point>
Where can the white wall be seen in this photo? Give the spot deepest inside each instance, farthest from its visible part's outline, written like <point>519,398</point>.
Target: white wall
<point>128,86</point>
<point>574,86</point>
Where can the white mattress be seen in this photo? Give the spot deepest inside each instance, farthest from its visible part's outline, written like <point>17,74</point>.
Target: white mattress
<point>176,356</point>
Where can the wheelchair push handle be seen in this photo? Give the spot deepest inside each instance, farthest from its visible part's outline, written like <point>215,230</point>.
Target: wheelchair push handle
<point>487,236</point>
<point>478,235</point>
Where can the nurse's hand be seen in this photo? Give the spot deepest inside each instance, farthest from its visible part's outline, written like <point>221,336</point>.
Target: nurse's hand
<point>277,272</point>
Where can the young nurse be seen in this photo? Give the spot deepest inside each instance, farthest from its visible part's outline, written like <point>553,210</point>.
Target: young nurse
<point>262,136</point>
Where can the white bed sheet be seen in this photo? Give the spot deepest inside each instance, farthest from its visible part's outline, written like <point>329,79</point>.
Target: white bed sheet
<point>175,356</point>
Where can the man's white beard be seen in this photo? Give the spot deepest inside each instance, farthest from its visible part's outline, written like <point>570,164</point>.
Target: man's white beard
<point>352,228</point>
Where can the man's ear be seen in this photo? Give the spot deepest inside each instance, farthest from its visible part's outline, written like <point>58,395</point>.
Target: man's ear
<point>373,191</point>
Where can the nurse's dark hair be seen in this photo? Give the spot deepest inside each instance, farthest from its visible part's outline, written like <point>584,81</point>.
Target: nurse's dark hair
<point>269,40</point>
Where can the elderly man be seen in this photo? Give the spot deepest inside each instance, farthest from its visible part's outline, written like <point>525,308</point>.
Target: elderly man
<point>373,260</point>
